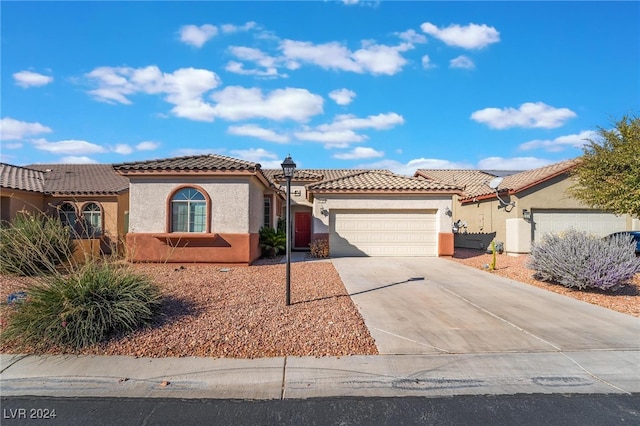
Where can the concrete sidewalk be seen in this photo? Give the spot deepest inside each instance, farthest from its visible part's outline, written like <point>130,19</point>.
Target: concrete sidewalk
<point>309,377</point>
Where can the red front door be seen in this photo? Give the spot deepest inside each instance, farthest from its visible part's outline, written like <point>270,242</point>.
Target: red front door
<point>302,223</point>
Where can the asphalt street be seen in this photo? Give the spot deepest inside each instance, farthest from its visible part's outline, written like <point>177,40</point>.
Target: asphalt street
<point>522,410</point>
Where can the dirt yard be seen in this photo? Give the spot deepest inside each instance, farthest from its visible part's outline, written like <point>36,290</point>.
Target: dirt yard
<point>239,313</point>
<point>626,300</point>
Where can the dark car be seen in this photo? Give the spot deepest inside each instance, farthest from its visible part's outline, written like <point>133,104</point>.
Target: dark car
<point>633,234</point>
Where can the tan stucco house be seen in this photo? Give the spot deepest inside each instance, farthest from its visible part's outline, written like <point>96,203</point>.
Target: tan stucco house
<point>210,208</point>
<point>204,208</point>
<point>522,208</point>
<point>91,198</point>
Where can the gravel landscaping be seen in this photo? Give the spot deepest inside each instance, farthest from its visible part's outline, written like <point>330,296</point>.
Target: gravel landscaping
<point>238,312</point>
<point>626,300</point>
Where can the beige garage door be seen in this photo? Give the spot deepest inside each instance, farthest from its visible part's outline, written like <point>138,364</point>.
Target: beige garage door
<point>383,233</point>
<point>594,222</point>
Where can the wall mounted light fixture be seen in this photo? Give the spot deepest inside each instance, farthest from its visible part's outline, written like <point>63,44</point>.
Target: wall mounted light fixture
<point>526,214</point>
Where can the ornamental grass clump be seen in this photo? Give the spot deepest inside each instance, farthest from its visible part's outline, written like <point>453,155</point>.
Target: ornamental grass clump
<point>83,308</point>
<point>576,259</point>
<point>34,244</point>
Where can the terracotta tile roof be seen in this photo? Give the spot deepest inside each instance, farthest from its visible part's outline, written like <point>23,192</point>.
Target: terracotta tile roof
<point>313,175</point>
<point>475,182</point>
<point>207,162</point>
<point>375,180</point>
<point>81,179</point>
<point>22,178</point>
<point>466,179</point>
<point>520,181</point>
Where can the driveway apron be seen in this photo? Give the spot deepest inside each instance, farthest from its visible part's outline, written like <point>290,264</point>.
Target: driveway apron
<point>436,306</point>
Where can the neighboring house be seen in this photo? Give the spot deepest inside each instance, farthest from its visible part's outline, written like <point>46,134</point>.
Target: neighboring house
<point>203,208</point>
<point>370,212</point>
<point>90,198</point>
<point>526,206</point>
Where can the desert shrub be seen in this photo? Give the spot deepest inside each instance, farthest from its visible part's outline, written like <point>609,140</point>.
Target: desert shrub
<point>33,244</point>
<point>320,247</point>
<point>83,308</point>
<point>272,240</point>
<point>580,260</point>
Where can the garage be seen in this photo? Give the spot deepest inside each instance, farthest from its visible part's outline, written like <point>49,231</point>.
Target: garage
<point>595,222</point>
<point>383,233</point>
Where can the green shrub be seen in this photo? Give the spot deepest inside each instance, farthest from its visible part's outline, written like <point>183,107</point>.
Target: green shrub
<point>580,260</point>
<point>83,308</point>
<point>34,244</point>
<point>272,240</point>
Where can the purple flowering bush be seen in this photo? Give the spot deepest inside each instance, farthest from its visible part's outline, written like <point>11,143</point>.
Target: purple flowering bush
<point>576,259</point>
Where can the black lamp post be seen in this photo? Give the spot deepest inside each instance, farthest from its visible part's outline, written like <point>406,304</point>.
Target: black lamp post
<point>288,167</point>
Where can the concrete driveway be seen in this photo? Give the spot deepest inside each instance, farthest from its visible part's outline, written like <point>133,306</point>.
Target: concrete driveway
<point>436,306</point>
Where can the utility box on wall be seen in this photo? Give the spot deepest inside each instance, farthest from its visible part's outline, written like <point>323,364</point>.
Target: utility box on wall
<point>518,239</point>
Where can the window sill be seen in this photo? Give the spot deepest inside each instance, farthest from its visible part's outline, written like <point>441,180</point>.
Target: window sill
<point>174,236</point>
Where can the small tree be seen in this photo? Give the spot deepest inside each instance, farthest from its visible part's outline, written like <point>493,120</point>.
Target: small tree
<point>608,176</point>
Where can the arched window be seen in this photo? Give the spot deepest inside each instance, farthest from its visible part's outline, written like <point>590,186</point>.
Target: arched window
<point>67,214</point>
<point>92,215</point>
<point>188,211</point>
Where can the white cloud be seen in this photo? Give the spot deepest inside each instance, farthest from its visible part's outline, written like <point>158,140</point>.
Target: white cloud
<point>230,28</point>
<point>147,146</point>
<point>239,103</point>
<point>372,58</point>
<point>536,115</point>
<point>14,145</point>
<point>342,96</point>
<point>472,36</point>
<point>197,36</point>
<point>184,88</point>
<point>411,36</point>
<point>426,62</point>
<point>359,153</point>
<point>31,79</point>
<point>268,160</point>
<point>78,160</point>
<point>267,63</point>
<point>462,62</point>
<point>336,138</point>
<point>340,132</point>
<point>238,68</point>
<point>122,149</point>
<point>560,143</point>
<point>350,122</point>
<point>11,129</point>
<point>71,147</point>
<point>258,132</point>
<point>408,169</point>
<point>516,163</point>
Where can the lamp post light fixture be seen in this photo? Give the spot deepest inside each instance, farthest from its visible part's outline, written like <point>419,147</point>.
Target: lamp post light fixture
<point>288,167</point>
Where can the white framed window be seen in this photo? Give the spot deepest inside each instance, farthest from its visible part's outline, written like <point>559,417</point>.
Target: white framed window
<point>92,215</point>
<point>188,211</point>
<point>267,211</point>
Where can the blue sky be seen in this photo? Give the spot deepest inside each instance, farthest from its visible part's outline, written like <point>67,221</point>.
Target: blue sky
<point>389,84</point>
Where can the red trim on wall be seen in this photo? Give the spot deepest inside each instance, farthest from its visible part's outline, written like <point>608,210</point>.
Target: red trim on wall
<point>193,248</point>
<point>445,244</point>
